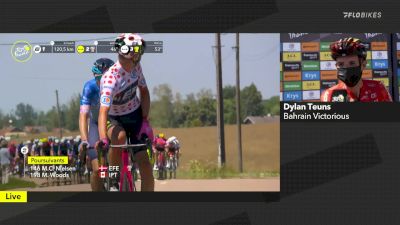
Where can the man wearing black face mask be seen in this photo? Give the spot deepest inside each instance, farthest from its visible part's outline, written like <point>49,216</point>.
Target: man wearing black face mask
<point>350,56</point>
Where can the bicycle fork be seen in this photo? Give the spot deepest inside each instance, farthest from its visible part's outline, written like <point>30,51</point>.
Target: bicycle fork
<point>125,172</point>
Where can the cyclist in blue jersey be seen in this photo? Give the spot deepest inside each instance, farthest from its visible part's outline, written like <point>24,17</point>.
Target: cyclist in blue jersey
<point>90,109</point>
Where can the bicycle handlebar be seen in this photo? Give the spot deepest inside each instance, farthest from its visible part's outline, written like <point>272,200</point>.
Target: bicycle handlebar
<point>128,146</point>
<point>84,146</point>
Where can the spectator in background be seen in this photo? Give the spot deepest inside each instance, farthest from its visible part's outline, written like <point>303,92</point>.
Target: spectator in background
<point>5,159</point>
<point>13,151</point>
<point>19,159</point>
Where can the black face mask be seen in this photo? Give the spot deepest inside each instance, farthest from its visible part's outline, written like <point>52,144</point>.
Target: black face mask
<point>350,76</point>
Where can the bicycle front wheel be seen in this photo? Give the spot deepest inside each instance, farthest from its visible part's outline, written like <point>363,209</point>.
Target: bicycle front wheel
<point>125,183</point>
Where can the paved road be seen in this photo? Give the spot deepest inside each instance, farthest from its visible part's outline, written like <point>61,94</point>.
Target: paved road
<point>268,184</point>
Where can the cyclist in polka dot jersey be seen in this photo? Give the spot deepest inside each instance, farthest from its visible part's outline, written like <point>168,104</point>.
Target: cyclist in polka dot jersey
<point>118,89</point>
<point>122,114</point>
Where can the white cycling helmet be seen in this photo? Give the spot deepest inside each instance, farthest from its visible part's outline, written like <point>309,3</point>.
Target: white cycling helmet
<point>129,42</point>
<point>57,141</point>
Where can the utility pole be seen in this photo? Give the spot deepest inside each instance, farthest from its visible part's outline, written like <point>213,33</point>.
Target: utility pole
<point>238,120</point>
<point>220,105</point>
<point>59,115</point>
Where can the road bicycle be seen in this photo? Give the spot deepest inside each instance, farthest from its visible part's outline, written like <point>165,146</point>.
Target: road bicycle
<point>172,164</point>
<point>127,174</point>
<point>161,165</point>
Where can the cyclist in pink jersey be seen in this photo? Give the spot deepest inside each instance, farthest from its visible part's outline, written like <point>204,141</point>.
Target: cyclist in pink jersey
<point>159,145</point>
<point>122,114</point>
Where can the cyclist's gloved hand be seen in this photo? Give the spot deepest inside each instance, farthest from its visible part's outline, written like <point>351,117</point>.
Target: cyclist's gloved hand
<point>83,143</point>
<point>146,129</point>
<point>105,143</point>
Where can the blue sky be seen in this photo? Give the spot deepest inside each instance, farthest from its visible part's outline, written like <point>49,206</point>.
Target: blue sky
<point>187,65</point>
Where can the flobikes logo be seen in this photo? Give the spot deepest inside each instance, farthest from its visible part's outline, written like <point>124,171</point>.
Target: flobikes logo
<point>21,51</point>
<point>362,15</point>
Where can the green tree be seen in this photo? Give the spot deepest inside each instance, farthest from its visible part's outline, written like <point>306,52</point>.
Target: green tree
<point>42,120</point>
<point>190,109</point>
<point>1,119</point>
<point>52,118</point>
<point>251,101</point>
<point>272,106</point>
<point>179,111</point>
<point>229,92</point>
<point>26,115</point>
<point>162,108</point>
<point>230,111</point>
<point>10,117</point>
<point>206,108</point>
<point>72,113</point>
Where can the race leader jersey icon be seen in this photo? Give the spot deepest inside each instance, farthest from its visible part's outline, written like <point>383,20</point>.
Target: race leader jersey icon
<point>371,91</point>
<point>118,89</point>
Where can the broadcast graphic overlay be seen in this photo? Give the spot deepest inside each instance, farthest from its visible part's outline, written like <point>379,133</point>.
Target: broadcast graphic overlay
<point>341,144</point>
<point>187,153</point>
<point>307,68</point>
<point>334,171</point>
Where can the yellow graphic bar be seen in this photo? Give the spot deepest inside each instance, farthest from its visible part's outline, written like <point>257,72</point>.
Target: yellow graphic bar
<point>13,196</point>
<point>47,160</point>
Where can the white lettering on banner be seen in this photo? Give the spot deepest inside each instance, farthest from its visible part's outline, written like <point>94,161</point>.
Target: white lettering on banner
<point>371,35</point>
<point>291,47</point>
<point>328,65</point>
<point>311,106</point>
<point>294,116</point>
<point>311,95</point>
<point>380,64</point>
<point>316,116</point>
<point>379,55</point>
<point>295,106</point>
<point>296,35</point>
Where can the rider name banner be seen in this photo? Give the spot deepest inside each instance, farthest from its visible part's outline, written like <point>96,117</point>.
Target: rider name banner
<point>339,112</point>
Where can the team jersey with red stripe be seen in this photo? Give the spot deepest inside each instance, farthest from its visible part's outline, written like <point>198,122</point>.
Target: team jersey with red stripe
<point>371,91</point>
<point>118,89</point>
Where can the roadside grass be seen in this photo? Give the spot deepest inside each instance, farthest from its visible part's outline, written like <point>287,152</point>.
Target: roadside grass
<point>199,151</point>
<point>208,170</point>
<point>17,183</point>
